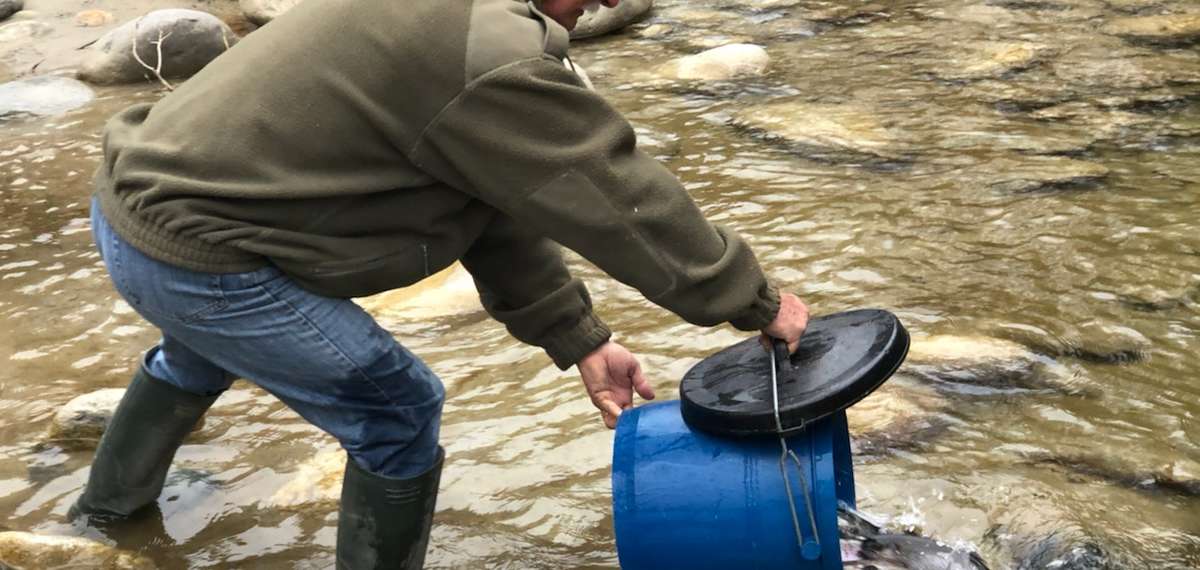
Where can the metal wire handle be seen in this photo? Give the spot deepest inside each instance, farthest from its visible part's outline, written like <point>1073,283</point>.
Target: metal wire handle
<point>784,455</point>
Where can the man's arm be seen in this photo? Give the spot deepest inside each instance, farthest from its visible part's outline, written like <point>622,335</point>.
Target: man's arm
<point>531,140</point>
<point>524,284</point>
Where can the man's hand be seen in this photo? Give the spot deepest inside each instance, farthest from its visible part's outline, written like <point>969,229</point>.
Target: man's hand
<point>789,323</point>
<point>610,374</point>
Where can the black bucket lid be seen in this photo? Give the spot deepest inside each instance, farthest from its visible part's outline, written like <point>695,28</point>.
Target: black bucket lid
<point>841,358</point>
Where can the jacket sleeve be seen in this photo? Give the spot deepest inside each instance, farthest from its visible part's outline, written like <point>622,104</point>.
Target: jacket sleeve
<point>532,141</point>
<point>525,285</point>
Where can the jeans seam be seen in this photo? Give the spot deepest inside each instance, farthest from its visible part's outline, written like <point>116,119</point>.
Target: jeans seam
<point>357,369</point>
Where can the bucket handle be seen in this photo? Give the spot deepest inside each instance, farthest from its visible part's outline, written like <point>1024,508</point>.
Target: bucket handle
<point>810,549</point>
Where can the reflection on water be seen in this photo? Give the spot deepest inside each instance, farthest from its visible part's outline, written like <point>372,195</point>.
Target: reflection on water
<point>976,222</point>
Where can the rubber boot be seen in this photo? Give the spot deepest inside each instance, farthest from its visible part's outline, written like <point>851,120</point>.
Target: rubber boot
<point>384,522</point>
<point>138,446</point>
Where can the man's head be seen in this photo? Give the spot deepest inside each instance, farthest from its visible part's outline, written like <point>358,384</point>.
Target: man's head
<point>567,12</point>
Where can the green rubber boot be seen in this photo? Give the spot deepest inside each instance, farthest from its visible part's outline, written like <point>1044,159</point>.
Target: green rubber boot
<point>383,522</point>
<point>138,446</point>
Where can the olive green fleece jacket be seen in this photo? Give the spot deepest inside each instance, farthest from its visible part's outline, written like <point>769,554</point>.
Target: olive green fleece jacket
<point>362,145</point>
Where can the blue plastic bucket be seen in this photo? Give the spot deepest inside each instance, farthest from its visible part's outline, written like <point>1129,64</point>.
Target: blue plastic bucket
<point>685,499</point>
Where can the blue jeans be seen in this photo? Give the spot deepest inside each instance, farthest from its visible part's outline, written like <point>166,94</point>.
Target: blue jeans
<point>325,358</point>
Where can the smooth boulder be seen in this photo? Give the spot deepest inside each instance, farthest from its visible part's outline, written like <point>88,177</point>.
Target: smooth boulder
<point>10,7</point>
<point>191,39</point>
<point>28,550</point>
<point>607,20</point>
<point>719,64</point>
<point>45,95</point>
<point>262,11</point>
<point>23,30</point>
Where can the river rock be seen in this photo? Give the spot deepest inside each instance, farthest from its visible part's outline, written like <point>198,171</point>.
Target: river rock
<point>1170,30</point>
<point>448,292</point>
<point>895,417</point>
<point>831,132</point>
<point>975,364</point>
<point>23,30</point>
<point>1040,173</point>
<point>26,550</point>
<point>93,18</point>
<point>262,11</point>
<point>317,481</point>
<point>80,423</point>
<point>607,20</point>
<point>719,64</point>
<point>993,59</point>
<point>44,95</point>
<point>192,39</point>
<point>10,7</point>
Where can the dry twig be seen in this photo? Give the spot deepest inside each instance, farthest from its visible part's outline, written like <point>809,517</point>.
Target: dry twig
<point>157,69</point>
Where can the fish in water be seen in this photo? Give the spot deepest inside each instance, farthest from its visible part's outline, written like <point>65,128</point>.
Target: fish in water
<point>866,546</point>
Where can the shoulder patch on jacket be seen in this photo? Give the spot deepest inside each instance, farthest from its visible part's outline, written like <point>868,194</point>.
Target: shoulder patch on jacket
<point>505,31</point>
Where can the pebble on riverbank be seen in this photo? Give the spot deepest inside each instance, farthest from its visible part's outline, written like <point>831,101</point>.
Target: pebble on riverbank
<point>28,550</point>
<point>719,64</point>
<point>23,30</point>
<point>195,38</point>
<point>93,18</point>
<point>608,20</point>
<point>10,7</point>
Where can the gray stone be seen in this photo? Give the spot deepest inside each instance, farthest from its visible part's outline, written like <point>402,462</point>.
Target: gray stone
<point>10,7</point>
<point>262,11</point>
<point>44,95</point>
<point>22,30</point>
<point>607,20</point>
<point>80,423</point>
<point>1171,29</point>
<point>29,550</point>
<point>191,39</point>
<point>719,64</point>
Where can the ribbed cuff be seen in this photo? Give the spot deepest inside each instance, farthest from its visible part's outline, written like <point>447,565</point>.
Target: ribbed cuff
<point>761,313</point>
<point>569,347</point>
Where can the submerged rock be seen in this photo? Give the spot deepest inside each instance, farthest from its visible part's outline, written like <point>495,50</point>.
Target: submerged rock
<point>835,133</point>
<point>607,20</point>
<point>993,59</point>
<point>317,481</point>
<point>1041,173</point>
<point>23,550</point>
<point>976,364</point>
<point>1170,30</point>
<point>45,95</point>
<point>190,39</point>
<point>80,423</point>
<point>895,417</point>
<point>448,292</point>
<point>719,64</point>
<point>10,7</point>
<point>262,11</point>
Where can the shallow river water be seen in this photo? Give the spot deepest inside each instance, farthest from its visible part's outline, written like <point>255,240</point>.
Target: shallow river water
<point>942,199</point>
